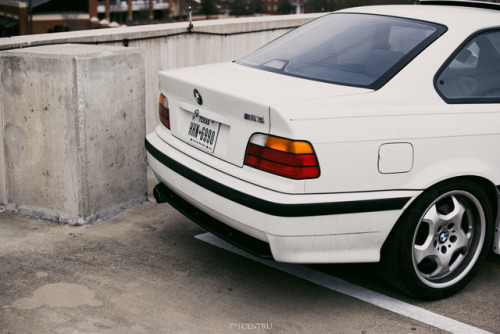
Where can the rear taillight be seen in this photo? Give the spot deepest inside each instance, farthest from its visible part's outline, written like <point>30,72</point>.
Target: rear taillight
<point>289,158</point>
<point>164,111</point>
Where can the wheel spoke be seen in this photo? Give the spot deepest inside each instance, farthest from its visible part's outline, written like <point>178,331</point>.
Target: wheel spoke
<point>423,252</point>
<point>443,253</point>
<point>433,219</point>
<point>426,249</point>
<point>443,264</point>
<point>457,214</point>
<point>462,240</point>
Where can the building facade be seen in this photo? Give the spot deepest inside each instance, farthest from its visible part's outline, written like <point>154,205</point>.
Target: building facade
<point>22,17</point>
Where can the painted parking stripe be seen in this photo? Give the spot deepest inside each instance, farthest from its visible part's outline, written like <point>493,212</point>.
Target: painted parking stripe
<point>352,290</point>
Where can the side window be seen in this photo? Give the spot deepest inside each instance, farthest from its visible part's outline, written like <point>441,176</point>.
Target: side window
<point>473,74</point>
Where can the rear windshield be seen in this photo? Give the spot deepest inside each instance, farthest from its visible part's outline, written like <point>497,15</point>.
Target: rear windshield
<point>359,50</point>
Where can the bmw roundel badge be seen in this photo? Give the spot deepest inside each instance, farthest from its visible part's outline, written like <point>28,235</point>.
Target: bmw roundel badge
<point>197,97</point>
<point>443,237</point>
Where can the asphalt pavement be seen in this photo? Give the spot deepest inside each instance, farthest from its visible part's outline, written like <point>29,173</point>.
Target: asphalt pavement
<point>150,270</point>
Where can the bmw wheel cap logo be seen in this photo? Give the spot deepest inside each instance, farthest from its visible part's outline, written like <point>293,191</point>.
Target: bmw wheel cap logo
<point>443,237</point>
<point>197,97</point>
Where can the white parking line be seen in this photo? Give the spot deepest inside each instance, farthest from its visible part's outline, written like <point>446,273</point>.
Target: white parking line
<point>352,290</point>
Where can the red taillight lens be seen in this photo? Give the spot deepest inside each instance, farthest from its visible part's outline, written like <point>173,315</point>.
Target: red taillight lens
<point>164,111</point>
<point>288,158</point>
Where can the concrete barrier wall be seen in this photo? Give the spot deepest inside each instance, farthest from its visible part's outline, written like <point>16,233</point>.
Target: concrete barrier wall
<point>163,46</point>
<point>73,146</point>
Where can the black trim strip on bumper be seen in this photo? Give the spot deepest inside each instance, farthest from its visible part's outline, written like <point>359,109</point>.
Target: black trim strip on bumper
<point>277,209</point>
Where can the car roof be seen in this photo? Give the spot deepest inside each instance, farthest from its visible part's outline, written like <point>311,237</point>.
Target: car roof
<point>452,16</point>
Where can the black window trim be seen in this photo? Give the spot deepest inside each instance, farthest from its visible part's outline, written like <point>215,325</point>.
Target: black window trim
<point>464,100</point>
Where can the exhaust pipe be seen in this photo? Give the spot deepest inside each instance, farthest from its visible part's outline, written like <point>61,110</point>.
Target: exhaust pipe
<point>162,193</point>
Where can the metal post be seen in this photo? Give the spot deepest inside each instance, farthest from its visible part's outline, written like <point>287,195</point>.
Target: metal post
<point>30,18</point>
<point>190,26</point>
<point>130,15</point>
<point>107,14</point>
<point>151,10</point>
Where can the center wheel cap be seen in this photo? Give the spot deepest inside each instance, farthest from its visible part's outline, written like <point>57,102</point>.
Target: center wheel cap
<point>443,237</point>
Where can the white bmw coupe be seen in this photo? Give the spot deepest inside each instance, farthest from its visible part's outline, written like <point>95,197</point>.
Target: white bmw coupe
<point>367,135</point>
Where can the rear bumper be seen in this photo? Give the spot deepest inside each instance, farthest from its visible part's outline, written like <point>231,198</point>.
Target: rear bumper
<point>295,228</point>
<point>252,245</point>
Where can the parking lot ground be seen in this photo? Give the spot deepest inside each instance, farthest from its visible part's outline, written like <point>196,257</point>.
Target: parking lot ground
<point>146,271</point>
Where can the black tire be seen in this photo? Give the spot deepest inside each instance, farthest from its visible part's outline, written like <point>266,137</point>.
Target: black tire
<point>438,243</point>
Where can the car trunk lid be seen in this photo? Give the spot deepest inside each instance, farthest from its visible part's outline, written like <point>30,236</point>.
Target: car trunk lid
<point>216,108</point>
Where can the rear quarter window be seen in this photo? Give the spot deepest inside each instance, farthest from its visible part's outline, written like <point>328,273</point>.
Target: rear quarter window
<point>472,74</point>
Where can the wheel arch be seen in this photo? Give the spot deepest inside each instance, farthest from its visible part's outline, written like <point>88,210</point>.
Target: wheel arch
<point>490,188</point>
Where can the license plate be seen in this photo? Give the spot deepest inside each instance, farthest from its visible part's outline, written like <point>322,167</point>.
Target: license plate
<point>203,133</point>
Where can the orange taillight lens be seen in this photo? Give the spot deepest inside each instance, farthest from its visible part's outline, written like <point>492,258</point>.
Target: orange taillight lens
<point>294,159</point>
<point>289,146</point>
<point>164,111</point>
